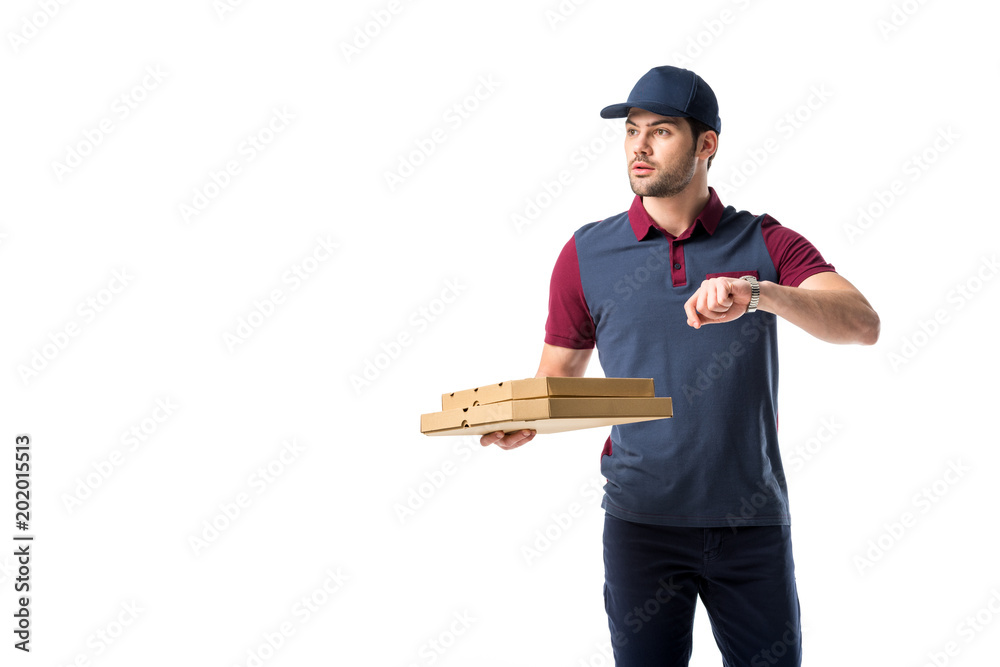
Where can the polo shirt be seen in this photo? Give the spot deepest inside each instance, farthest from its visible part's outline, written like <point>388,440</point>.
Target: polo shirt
<point>620,284</point>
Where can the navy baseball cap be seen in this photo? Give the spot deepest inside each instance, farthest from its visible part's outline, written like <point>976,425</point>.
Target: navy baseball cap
<point>671,91</point>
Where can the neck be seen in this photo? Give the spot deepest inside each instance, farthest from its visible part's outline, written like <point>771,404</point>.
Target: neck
<point>675,214</point>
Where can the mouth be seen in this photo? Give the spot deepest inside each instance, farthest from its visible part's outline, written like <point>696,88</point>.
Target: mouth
<point>641,168</point>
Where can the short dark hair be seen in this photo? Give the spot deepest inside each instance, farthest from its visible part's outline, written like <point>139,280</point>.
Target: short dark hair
<point>699,128</point>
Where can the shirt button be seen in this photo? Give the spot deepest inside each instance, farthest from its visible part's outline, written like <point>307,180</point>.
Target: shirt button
<point>677,266</point>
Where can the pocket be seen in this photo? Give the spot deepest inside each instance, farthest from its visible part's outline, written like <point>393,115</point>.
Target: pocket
<point>732,274</point>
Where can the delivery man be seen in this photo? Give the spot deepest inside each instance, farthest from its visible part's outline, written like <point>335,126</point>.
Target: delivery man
<point>687,290</point>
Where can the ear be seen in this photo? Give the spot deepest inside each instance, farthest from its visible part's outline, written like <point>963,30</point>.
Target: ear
<point>708,143</point>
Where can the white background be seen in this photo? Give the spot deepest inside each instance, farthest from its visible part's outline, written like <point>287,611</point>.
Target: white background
<point>865,100</point>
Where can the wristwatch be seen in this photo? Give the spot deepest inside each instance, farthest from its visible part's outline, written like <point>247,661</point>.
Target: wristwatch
<point>754,292</point>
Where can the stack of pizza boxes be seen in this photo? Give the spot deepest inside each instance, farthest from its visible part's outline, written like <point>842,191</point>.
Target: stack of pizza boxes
<point>546,405</point>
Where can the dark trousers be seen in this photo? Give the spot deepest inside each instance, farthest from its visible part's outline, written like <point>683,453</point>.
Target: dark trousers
<point>744,576</point>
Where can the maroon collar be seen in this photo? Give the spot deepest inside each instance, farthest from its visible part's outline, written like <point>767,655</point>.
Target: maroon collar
<point>708,219</point>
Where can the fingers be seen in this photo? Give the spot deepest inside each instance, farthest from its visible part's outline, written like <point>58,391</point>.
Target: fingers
<point>507,440</point>
<point>723,294</point>
<point>711,303</point>
<point>690,308</point>
<point>714,299</point>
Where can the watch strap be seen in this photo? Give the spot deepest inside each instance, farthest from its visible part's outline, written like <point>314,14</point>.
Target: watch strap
<point>754,293</point>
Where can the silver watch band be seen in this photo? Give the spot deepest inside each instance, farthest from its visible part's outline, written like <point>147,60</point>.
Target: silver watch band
<point>754,293</point>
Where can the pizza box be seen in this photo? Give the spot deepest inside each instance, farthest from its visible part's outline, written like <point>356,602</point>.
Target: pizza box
<point>547,387</point>
<point>545,415</point>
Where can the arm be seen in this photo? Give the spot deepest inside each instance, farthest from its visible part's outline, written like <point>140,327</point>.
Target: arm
<point>825,305</point>
<point>563,362</point>
<point>569,335</point>
<point>556,362</point>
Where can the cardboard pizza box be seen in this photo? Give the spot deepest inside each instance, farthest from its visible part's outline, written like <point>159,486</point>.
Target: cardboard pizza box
<point>545,415</point>
<point>547,387</point>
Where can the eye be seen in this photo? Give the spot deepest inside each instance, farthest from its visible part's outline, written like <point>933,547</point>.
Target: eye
<point>662,132</point>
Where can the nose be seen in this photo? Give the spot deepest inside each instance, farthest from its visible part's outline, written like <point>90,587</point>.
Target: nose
<point>639,144</point>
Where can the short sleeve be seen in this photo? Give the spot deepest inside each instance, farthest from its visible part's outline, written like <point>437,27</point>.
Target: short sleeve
<point>793,256</point>
<point>569,323</point>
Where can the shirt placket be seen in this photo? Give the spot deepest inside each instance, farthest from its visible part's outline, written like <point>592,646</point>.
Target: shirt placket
<point>678,269</point>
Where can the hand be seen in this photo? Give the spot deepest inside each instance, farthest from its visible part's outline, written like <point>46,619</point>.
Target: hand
<point>507,441</point>
<point>718,300</point>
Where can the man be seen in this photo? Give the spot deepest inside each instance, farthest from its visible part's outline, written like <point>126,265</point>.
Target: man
<point>696,505</point>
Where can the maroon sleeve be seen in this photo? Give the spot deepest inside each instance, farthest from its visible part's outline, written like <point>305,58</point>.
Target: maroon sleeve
<point>569,323</point>
<point>794,257</point>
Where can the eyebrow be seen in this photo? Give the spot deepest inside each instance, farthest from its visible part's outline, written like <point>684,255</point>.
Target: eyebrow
<point>665,121</point>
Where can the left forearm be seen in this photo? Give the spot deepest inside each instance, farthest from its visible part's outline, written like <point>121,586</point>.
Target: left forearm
<point>832,315</point>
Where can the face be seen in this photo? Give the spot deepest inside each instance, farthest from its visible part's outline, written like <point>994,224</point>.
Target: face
<point>660,152</point>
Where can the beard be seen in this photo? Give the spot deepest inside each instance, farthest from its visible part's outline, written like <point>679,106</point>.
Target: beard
<point>666,181</point>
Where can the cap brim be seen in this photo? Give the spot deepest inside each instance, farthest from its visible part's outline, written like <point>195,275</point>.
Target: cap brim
<point>621,110</point>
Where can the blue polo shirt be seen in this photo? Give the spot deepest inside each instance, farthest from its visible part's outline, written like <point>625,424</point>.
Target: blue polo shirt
<point>620,284</point>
